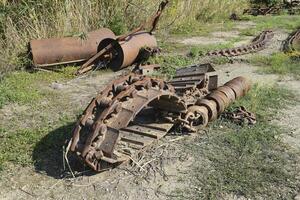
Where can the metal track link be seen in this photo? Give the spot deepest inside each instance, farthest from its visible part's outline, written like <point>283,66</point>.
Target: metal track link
<point>105,122</point>
<point>258,44</point>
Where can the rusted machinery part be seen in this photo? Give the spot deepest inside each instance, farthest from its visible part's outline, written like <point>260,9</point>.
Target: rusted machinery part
<point>259,43</point>
<point>211,107</point>
<point>125,53</point>
<point>111,131</point>
<point>125,49</point>
<point>113,110</point>
<point>292,43</point>
<point>194,82</point>
<point>120,54</point>
<point>228,92</point>
<point>57,51</point>
<point>217,101</point>
<point>197,118</point>
<point>220,99</point>
<point>241,116</point>
<point>243,83</point>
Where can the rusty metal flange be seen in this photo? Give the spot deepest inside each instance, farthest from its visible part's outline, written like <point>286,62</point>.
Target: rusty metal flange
<point>230,94</point>
<point>220,100</point>
<point>237,88</point>
<point>197,116</point>
<point>211,107</point>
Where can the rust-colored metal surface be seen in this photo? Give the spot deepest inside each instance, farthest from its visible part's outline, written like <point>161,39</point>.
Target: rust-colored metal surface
<point>56,51</point>
<point>194,82</point>
<point>241,116</point>
<point>257,44</point>
<point>135,110</point>
<point>125,49</point>
<point>126,52</point>
<point>103,128</point>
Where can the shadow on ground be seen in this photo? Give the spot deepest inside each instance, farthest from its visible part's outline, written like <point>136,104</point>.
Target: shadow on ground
<point>48,153</point>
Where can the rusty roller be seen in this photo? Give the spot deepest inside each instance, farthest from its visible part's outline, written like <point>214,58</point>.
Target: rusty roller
<point>57,51</point>
<point>228,92</point>
<point>211,107</point>
<point>221,100</point>
<point>240,85</point>
<point>126,52</point>
<point>198,116</point>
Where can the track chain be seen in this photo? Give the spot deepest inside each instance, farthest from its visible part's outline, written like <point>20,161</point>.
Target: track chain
<point>103,128</point>
<point>257,44</point>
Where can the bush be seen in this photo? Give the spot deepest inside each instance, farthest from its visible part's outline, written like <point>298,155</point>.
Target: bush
<point>21,21</point>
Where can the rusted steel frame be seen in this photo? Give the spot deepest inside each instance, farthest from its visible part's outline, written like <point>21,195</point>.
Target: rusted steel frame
<point>57,51</point>
<point>194,76</point>
<point>258,43</point>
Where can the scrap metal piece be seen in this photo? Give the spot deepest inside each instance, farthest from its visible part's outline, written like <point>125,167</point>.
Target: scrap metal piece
<point>57,51</point>
<point>112,111</point>
<point>211,107</point>
<point>134,111</point>
<point>241,116</point>
<point>194,82</point>
<point>127,51</point>
<point>197,116</point>
<point>258,43</point>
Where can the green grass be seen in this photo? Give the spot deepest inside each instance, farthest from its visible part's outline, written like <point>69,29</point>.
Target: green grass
<point>25,88</point>
<point>169,63</point>
<point>249,161</point>
<point>286,22</point>
<point>278,63</point>
<point>29,146</point>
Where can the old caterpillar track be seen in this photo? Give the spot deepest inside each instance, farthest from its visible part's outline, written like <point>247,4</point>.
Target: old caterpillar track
<point>134,111</point>
<point>101,127</point>
<point>292,43</point>
<point>257,44</point>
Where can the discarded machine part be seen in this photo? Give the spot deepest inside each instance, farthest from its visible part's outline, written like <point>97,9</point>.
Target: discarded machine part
<point>194,82</point>
<point>57,51</point>
<point>292,43</point>
<point>217,101</point>
<point>102,131</point>
<point>125,50</point>
<point>125,53</point>
<point>241,116</point>
<point>257,44</point>
<point>146,69</point>
<point>134,111</point>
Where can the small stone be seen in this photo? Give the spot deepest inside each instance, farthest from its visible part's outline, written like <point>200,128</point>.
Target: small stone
<point>56,86</point>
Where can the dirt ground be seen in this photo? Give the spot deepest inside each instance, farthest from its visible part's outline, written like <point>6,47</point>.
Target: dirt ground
<point>168,162</point>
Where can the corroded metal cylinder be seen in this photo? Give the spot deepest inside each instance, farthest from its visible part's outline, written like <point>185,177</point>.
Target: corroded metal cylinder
<point>56,51</point>
<point>126,52</point>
